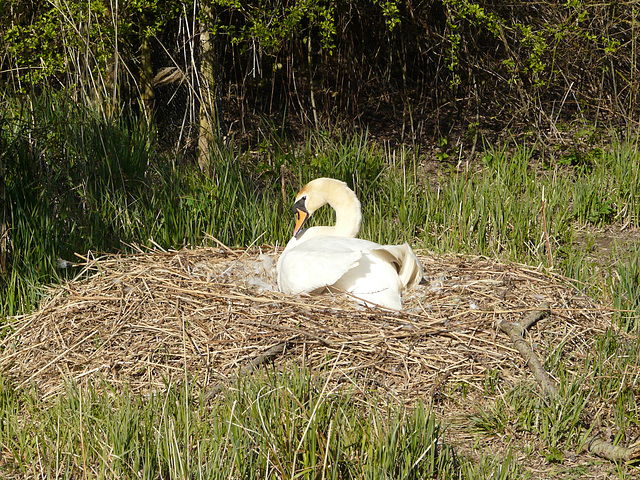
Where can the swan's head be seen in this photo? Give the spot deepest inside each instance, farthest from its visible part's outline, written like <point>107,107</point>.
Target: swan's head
<point>319,192</point>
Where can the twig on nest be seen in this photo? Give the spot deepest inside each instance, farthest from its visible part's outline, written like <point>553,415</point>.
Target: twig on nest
<point>515,331</point>
<point>271,353</point>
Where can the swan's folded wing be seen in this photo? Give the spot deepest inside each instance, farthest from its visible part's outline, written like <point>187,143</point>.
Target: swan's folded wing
<point>307,268</point>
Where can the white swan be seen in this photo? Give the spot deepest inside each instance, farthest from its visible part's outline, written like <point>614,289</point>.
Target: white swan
<point>321,258</point>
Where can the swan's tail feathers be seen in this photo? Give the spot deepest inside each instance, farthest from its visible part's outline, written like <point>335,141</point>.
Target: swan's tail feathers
<point>411,272</point>
<point>406,262</point>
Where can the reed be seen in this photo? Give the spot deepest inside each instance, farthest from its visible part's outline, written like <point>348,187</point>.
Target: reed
<point>273,426</point>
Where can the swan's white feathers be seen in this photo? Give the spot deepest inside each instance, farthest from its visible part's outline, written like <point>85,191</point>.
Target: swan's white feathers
<point>374,273</point>
<point>409,268</point>
<point>373,280</point>
<point>329,257</point>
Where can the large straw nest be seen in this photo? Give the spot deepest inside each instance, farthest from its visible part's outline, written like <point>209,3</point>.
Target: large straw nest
<point>210,314</point>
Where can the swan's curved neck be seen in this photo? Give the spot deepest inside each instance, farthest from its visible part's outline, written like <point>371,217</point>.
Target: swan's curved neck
<point>346,205</point>
<point>348,213</point>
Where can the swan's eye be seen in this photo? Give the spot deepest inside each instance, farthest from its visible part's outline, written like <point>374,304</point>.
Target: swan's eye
<point>299,205</point>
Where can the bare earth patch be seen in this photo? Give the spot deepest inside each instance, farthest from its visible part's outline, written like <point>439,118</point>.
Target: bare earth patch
<point>212,314</point>
<point>602,243</point>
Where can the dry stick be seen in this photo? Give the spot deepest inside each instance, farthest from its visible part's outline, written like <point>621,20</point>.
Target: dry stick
<point>515,332</point>
<point>277,349</point>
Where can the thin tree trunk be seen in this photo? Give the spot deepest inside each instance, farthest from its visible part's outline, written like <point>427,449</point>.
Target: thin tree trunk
<point>311,88</point>
<point>4,230</point>
<point>146,74</point>
<point>112,71</point>
<point>207,115</point>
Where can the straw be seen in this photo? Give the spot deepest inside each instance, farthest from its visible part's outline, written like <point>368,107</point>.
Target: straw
<point>214,314</point>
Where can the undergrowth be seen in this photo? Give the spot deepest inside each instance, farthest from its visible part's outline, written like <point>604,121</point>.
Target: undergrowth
<point>75,183</point>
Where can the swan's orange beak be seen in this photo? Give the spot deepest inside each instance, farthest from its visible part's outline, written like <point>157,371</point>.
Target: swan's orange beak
<point>302,215</point>
<point>301,219</point>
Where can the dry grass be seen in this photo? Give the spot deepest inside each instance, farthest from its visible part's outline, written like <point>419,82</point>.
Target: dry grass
<point>146,318</point>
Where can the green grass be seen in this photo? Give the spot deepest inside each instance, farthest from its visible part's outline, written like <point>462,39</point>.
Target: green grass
<point>287,425</point>
<point>76,183</point>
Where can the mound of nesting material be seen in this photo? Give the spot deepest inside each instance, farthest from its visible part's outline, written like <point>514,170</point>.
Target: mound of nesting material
<point>145,319</point>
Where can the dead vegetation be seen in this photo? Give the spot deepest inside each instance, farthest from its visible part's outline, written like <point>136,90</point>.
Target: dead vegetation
<point>213,313</point>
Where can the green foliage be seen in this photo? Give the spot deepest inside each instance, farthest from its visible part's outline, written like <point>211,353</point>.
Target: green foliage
<point>271,24</point>
<point>390,11</point>
<point>530,47</point>
<point>78,44</point>
<point>34,45</point>
<point>561,58</point>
